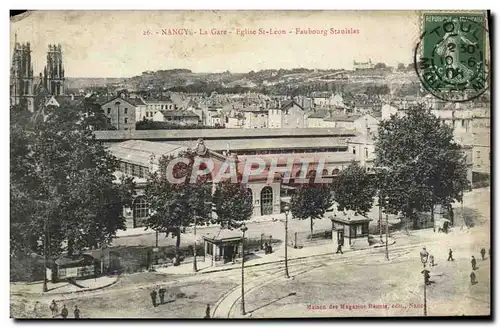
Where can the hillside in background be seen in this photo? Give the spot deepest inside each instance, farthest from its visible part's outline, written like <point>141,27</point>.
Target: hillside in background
<point>299,81</point>
<point>87,82</point>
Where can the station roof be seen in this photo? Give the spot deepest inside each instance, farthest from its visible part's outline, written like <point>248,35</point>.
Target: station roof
<point>218,134</point>
<point>236,145</point>
<point>139,151</point>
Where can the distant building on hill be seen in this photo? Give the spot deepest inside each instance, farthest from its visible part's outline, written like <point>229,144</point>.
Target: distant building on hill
<point>361,65</point>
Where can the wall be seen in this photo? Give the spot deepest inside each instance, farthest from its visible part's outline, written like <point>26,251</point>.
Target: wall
<point>293,117</point>
<point>140,113</point>
<point>256,188</point>
<point>121,114</point>
<point>275,118</point>
<point>315,122</point>
<point>255,120</point>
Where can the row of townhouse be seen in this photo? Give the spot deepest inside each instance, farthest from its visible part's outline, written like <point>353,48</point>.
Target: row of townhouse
<point>123,113</point>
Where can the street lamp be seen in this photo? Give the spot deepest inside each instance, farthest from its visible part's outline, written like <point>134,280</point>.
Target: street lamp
<point>195,264</point>
<point>243,229</point>
<point>287,211</point>
<point>424,255</point>
<point>45,248</point>
<point>380,202</point>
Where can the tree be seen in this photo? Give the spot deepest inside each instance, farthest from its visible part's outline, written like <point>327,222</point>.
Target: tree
<point>63,189</point>
<point>401,67</point>
<point>94,115</point>
<point>354,190</point>
<point>424,166</point>
<point>232,203</point>
<point>380,66</point>
<point>175,205</point>
<point>311,201</point>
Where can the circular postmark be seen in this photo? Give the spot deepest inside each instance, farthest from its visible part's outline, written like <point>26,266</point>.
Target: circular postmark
<point>451,59</point>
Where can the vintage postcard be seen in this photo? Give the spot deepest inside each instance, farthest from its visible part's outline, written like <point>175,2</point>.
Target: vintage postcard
<point>250,164</point>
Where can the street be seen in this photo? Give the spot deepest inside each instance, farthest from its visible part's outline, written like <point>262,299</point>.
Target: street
<point>358,283</point>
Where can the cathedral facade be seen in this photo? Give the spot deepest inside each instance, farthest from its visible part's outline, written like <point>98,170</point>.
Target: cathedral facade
<point>21,76</point>
<point>23,89</point>
<point>53,73</point>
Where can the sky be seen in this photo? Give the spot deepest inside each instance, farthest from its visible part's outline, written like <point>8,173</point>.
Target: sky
<point>114,44</point>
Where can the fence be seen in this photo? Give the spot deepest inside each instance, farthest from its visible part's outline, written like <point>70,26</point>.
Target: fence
<point>301,239</point>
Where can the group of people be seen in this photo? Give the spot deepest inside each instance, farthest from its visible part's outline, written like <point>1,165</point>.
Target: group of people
<point>268,249</point>
<point>473,262</point>
<point>450,258</point>
<point>54,309</point>
<point>161,293</point>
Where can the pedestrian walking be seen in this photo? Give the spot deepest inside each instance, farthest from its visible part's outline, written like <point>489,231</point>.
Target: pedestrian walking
<point>53,308</point>
<point>483,253</point>
<point>339,249</point>
<point>431,259</point>
<point>473,262</point>
<point>473,280</point>
<point>36,308</point>
<point>76,312</point>
<point>162,292</point>
<point>153,297</point>
<point>450,255</point>
<point>64,312</point>
<point>207,312</point>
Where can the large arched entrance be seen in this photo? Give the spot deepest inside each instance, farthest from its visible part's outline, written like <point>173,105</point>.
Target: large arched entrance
<point>266,201</point>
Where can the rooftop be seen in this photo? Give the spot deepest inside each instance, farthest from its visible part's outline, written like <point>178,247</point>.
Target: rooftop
<point>320,113</point>
<point>270,143</point>
<point>350,118</point>
<point>349,218</point>
<point>224,235</point>
<point>139,151</point>
<point>156,100</point>
<point>222,134</point>
<point>136,101</point>
<point>254,109</point>
<point>179,113</point>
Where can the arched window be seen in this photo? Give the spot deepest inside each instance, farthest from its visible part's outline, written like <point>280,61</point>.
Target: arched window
<point>250,195</point>
<point>293,178</point>
<point>324,173</point>
<point>311,175</point>
<point>335,171</point>
<point>141,208</point>
<point>266,201</point>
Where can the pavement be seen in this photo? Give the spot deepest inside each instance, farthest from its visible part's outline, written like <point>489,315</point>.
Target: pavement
<point>204,265</point>
<point>18,288</point>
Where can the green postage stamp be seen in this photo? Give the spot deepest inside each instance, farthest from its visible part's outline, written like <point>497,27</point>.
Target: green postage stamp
<point>451,56</point>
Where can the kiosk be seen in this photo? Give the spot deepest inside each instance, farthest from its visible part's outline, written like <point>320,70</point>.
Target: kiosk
<point>223,247</point>
<point>350,231</point>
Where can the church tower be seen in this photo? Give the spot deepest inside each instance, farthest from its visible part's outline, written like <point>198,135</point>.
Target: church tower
<point>21,76</point>
<point>53,73</point>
